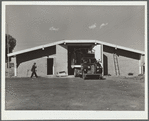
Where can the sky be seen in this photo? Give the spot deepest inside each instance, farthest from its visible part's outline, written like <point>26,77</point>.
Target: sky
<point>34,25</point>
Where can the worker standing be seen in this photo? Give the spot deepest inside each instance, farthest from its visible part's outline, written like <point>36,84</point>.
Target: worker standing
<point>34,70</point>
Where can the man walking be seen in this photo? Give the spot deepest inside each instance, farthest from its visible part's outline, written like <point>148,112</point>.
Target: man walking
<point>34,70</point>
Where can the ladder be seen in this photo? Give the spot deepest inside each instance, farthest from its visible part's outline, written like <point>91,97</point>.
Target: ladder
<point>117,71</point>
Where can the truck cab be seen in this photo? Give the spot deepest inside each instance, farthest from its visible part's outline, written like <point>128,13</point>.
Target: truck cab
<point>84,62</point>
<point>90,67</point>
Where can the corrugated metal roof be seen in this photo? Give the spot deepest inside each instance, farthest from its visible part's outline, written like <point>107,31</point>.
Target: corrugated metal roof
<point>76,41</point>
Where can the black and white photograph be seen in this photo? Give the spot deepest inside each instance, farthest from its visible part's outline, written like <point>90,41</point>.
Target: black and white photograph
<point>74,60</point>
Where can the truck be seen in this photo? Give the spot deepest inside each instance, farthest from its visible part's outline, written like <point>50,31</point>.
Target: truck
<point>85,64</point>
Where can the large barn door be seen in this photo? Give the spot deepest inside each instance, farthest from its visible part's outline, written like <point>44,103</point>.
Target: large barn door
<point>50,66</point>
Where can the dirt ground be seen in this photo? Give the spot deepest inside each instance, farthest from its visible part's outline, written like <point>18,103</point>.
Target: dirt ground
<point>112,93</point>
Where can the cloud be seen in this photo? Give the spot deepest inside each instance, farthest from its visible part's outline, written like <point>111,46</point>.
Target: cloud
<point>103,24</point>
<point>53,29</point>
<point>92,26</point>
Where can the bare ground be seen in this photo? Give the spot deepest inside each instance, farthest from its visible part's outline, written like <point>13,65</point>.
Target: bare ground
<point>112,93</point>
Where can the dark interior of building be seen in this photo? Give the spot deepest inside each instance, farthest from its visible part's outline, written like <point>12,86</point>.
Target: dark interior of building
<point>71,51</point>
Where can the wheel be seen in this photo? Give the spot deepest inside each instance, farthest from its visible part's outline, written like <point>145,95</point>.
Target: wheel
<point>83,75</point>
<point>100,77</point>
<point>75,72</point>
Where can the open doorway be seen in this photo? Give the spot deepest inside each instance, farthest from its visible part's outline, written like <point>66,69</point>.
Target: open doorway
<point>49,66</point>
<point>70,69</point>
<point>71,50</point>
<point>105,64</point>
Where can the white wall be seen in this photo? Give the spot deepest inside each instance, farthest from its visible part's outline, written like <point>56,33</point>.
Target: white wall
<point>24,69</point>
<point>61,60</point>
<point>98,52</point>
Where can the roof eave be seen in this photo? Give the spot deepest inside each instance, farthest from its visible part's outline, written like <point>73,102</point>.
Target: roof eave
<point>75,41</point>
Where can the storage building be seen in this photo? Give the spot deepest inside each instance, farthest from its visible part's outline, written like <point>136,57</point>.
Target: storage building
<point>56,57</point>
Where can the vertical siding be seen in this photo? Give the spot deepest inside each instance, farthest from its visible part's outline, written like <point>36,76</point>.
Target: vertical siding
<point>24,69</point>
<point>142,64</point>
<point>110,69</point>
<point>128,65</point>
<point>128,61</point>
<point>26,60</point>
<point>61,60</point>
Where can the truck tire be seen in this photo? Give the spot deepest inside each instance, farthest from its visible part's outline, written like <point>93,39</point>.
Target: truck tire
<point>83,75</point>
<point>76,72</point>
<point>100,76</point>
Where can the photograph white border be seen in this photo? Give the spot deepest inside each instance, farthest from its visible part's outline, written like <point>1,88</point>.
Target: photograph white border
<point>54,115</point>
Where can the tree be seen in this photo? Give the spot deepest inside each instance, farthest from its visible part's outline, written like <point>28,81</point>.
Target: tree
<point>10,44</point>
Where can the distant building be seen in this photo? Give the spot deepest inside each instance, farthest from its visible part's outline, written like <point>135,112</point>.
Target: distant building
<point>55,57</point>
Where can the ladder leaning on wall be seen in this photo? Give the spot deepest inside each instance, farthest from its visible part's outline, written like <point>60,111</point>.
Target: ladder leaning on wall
<point>117,71</point>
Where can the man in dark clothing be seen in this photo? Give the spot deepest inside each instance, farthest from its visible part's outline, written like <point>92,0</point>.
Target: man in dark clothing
<point>34,70</point>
